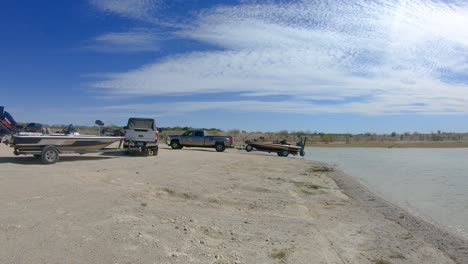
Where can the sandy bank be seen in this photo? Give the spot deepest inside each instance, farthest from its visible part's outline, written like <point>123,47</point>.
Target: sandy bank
<point>197,206</point>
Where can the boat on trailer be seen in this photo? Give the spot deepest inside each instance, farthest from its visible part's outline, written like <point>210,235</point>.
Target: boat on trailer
<point>48,147</point>
<point>283,150</point>
<point>26,142</point>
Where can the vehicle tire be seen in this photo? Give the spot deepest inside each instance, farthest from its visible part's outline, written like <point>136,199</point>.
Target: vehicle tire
<point>50,155</point>
<point>175,145</point>
<point>146,152</point>
<point>220,147</point>
<point>155,151</point>
<point>280,154</point>
<point>248,148</point>
<point>284,153</point>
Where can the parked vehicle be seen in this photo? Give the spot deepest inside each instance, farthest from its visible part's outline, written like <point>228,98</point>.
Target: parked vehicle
<point>200,138</point>
<point>142,133</point>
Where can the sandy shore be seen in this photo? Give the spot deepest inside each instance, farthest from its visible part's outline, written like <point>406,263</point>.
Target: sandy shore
<point>199,206</point>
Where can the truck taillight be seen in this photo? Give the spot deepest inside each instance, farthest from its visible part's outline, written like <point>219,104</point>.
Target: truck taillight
<point>157,137</point>
<point>231,140</point>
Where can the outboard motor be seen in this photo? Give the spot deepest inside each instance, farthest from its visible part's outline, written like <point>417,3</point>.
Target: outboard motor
<point>7,123</point>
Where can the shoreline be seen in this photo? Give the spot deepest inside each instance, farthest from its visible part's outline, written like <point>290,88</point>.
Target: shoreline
<point>200,206</point>
<point>455,246</point>
<point>390,145</point>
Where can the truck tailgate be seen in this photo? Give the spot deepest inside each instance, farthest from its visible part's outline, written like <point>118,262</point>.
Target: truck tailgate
<point>144,135</point>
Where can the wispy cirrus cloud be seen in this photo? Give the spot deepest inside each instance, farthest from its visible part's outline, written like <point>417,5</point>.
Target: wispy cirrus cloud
<point>133,9</point>
<point>138,40</point>
<point>375,57</point>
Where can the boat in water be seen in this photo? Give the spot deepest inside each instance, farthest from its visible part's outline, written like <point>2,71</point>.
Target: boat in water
<point>283,149</point>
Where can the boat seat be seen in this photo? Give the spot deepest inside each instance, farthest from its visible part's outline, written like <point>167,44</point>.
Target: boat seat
<point>46,131</point>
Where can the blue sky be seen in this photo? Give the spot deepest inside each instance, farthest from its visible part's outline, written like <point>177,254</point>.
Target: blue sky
<point>324,65</point>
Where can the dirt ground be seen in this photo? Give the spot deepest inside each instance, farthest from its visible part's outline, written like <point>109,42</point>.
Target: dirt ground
<point>191,206</point>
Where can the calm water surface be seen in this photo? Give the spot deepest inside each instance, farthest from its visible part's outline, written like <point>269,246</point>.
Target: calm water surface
<point>432,183</point>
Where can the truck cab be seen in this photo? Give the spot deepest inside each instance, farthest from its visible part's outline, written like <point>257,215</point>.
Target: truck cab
<point>142,133</point>
<point>193,138</point>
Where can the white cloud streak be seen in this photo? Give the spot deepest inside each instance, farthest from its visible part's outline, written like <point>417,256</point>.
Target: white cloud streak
<point>394,56</point>
<point>131,41</point>
<point>133,9</point>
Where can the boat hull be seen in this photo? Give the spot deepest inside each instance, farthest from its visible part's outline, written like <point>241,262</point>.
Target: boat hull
<point>272,147</point>
<point>35,142</point>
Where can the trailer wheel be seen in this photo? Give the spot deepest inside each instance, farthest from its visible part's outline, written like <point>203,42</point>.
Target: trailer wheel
<point>284,153</point>
<point>175,145</point>
<point>220,147</point>
<point>50,155</point>
<point>248,148</point>
<point>280,154</point>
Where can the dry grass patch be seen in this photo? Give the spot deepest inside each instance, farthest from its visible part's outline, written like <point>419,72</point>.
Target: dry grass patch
<point>380,261</point>
<point>320,169</point>
<point>280,254</point>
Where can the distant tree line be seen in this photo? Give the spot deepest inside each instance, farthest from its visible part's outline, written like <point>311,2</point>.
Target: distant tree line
<point>293,136</point>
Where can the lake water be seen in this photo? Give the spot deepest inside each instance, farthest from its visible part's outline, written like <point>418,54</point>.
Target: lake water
<point>432,183</point>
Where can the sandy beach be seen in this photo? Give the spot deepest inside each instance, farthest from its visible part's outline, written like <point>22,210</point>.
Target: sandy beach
<point>200,206</point>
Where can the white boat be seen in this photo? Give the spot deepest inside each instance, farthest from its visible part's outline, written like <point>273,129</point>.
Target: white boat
<point>49,146</point>
<point>66,142</point>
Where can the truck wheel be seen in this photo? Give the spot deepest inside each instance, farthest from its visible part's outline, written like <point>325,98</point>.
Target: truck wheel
<point>284,153</point>
<point>220,147</point>
<point>155,151</point>
<point>248,148</point>
<point>280,154</point>
<point>175,145</point>
<point>146,152</point>
<point>50,155</point>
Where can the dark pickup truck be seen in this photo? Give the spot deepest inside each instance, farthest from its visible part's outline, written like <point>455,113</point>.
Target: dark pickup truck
<point>199,138</point>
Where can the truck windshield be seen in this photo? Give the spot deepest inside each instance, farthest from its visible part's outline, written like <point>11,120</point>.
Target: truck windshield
<point>140,123</point>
